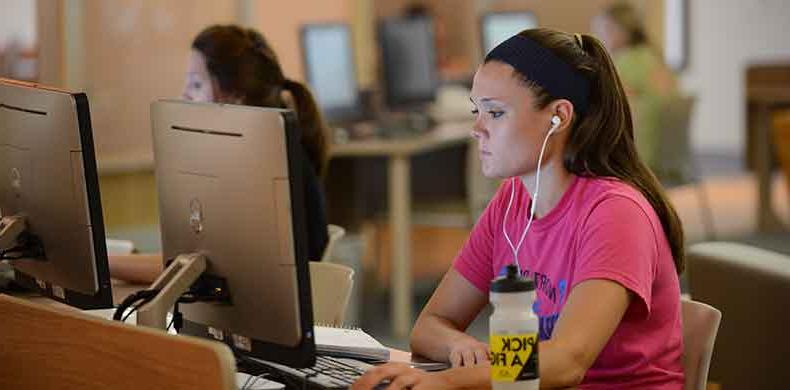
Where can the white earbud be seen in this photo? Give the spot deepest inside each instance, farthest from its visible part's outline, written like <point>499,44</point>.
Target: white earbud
<point>555,123</point>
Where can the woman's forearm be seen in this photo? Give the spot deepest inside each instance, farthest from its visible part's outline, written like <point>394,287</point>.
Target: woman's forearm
<point>558,367</point>
<point>136,268</point>
<point>478,377</point>
<point>558,370</point>
<point>433,337</point>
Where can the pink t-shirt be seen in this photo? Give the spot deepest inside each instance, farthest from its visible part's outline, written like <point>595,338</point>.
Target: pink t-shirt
<point>601,229</point>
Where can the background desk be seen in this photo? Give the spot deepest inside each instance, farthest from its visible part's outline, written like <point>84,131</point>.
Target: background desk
<point>398,152</point>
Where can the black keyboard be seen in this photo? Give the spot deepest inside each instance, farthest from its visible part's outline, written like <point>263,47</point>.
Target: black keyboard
<point>327,373</point>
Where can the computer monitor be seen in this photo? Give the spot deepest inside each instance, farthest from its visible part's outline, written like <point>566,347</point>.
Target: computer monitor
<point>496,27</point>
<point>409,61</point>
<point>229,180</point>
<point>329,70</point>
<point>52,228</point>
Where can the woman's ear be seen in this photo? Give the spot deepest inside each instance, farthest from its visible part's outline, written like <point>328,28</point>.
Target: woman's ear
<point>287,98</point>
<point>562,108</point>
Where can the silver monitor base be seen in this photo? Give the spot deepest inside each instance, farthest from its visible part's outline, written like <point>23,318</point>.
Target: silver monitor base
<point>172,283</point>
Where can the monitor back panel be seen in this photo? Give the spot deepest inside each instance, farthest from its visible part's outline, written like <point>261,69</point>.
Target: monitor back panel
<point>224,190</point>
<point>48,175</point>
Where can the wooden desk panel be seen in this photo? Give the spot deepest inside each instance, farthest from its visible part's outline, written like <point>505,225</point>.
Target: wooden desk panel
<point>43,347</point>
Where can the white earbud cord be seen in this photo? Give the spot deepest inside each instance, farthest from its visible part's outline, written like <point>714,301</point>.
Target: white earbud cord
<point>531,209</point>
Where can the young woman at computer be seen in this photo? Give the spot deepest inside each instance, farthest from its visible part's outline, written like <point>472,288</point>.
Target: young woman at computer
<point>597,233</point>
<point>230,64</point>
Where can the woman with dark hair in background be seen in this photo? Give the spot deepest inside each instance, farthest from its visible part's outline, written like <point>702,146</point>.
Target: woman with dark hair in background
<point>230,64</point>
<point>648,82</point>
<point>598,235</point>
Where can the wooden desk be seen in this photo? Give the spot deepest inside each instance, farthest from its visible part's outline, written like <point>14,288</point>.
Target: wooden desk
<point>398,152</point>
<point>765,99</point>
<point>71,350</point>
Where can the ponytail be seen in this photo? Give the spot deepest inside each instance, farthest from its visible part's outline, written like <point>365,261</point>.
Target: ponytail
<point>614,152</point>
<point>314,131</point>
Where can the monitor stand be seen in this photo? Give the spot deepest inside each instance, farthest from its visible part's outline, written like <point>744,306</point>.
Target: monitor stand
<point>10,229</point>
<point>174,281</point>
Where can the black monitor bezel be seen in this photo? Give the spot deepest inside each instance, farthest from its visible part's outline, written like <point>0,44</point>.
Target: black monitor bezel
<point>393,101</point>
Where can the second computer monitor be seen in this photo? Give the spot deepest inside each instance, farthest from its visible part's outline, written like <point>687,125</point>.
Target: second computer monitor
<point>409,60</point>
<point>496,27</point>
<point>52,229</point>
<point>230,188</point>
<point>329,70</point>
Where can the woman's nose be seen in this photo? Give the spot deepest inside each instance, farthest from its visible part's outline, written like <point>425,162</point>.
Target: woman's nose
<point>477,130</point>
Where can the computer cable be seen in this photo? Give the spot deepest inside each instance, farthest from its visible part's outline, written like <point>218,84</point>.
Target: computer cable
<point>142,296</point>
<point>177,320</point>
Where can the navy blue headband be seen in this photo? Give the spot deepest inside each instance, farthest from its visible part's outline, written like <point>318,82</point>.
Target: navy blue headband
<point>540,65</point>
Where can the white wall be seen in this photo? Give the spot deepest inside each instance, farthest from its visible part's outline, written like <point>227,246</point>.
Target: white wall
<point>725,36</point>
<point>18,21</point>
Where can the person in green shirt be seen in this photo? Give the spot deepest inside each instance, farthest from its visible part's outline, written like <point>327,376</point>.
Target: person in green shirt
<point>647,80</point>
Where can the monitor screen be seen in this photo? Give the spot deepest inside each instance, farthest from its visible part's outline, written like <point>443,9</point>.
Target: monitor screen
<point>329,69</point>
<point>409,61</point>
<point>229,180</point>
<point>496,27</point>
<point>49,187</point>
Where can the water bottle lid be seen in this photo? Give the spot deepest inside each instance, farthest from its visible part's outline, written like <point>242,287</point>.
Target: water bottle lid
<point>512,282</point>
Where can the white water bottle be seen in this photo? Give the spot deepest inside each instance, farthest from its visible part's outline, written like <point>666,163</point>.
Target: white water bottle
<point>513,333</point>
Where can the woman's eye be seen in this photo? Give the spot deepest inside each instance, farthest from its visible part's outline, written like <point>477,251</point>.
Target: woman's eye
<point>197,85</point>
<point>475,111</point>
<point>496,114</point>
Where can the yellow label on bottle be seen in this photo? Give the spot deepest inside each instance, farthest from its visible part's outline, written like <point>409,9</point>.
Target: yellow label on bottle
<point>514,357</point>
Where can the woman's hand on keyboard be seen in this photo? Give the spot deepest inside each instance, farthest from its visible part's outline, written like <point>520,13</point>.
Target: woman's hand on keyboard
<point>468,352</point>
<point>400,376</point>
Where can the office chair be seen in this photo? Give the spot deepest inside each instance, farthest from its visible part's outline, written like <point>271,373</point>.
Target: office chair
<point>700,325</point>
<point>331,286</point>
<point>675,164</point>
<point>335,234</point>
<point>781,128</point>
<point>750,286</point>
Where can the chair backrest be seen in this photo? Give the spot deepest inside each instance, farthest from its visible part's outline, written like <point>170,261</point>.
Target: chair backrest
<point>42,347</point>
<point>331,284</point>
<point>700,325</point>
<point>335,234</point>
<point>750,286</point>
<point>674,158</point>
<point>781,122</point>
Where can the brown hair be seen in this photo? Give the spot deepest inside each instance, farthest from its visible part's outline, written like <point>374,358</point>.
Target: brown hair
<point>601,140</point>
<point>245,66</point>
<point>628,18</point>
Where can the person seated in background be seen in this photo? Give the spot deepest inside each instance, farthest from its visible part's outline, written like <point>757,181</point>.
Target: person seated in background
<point>230,64</point>
<point>605,246</point>
<point>647,80</point>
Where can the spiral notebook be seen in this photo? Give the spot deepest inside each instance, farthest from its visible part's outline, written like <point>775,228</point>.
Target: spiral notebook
<point>349,342</point>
